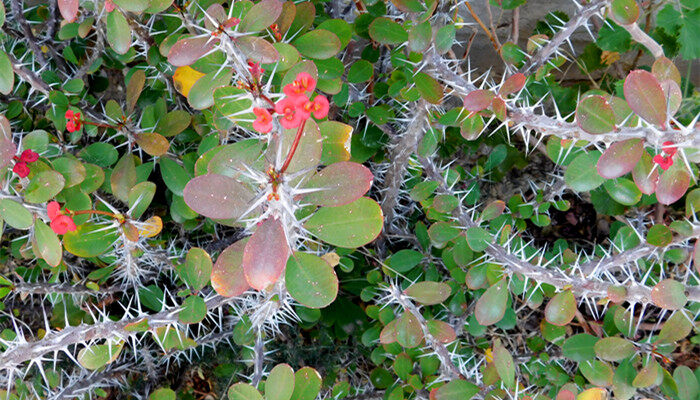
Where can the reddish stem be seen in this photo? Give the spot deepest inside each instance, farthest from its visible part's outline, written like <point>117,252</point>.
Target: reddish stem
<point>109,214</point>
<point>98,124</point>
<point>267,99</point>
<point>295,144</point>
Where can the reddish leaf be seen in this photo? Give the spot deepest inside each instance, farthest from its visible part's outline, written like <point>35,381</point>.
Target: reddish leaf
<point>442,331</point>
<point>669,294</point>
<point>624,12</point>
<point>217,196</point>
<point>342,183</point>
<point>215,15</point>
<point>409,332</point>
<point>561,308</point>
<point>498,106</point>
<point>595,115</point>
<point>266,254</point>
<point>187,51</point>
<point>645,175</point>
<point>673,183</point>
<point>512,84</point>
<point>664,68</point>
<point>645,96</point>
<point>672,94</point>
<point>478,100</point>
<point>261,15</point>
<point>258,49</point>
<point>68,9</point>
<point>153,143</point>
<point>227,277</point>
<point>620,158</point>
<point>388,333</point>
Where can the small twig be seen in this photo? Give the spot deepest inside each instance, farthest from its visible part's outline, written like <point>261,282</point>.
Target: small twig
<point>515,29</point>
<point>496,46</point>
<point>645,40</point>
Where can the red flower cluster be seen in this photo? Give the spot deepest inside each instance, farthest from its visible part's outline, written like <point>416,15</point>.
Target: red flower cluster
<point>60,223</point>
<point>74,122</point>
<point>27,157</point>
<point>295,108</point>
<point>665,162</point>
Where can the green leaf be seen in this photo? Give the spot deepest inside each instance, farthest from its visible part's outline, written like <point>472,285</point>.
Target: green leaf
<point>478,238</point>
<point>579,347</point>
<point>659,235</point>
<point>624,12</point>
<point>310,280</point>
<point>318,44</point>
<point>690,30</point>
<point>174,175</point>
<point>614,349</point>
<point>118,32</point>
<point>504,364</point>
<point>404,260</point>
<point>676,327</point>
<point>140,197</point>
<point>597,372</point>
<point>491,306</point>
<point>46,245</point>
<point>89,240</point>
<point>135,6</point>
<point>307,384</point>
<point>579,176</point>
<point>428,87</point>
<point>429,293</point>
<point>97,356</point>
<point>561,308</point>
<point>196,269</point>
<point>44,186</point>
<point>352,225</point>
<point>163,394</point>
<point>457,389</point>
<point>194,309</point>
<point>386,31</point>
<point>15,214</point>
<point>360,71</point>
<point>688,386</point>
<point>280,383</point>
<point>7,74</point>
<point>243,391</point>
<point>623,191</point>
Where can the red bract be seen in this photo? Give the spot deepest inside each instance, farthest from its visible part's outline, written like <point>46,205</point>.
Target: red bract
<point>109,6</point>
<point>53,209</point>
<point>21,169</point>
<point>664,162</point>
<point>62,224</point>
<point>289,109</point>
<point>255,69</point>
<point>29,156</point>
<point>74,122</point>
<point>319,106</point>
<point>669,148</point>
<point>302,84</point>
<point>263,122</point>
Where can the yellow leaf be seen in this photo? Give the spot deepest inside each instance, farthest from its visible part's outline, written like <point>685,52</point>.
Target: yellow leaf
<point>593,394</point>
<point>151,227</point>
<point>331,258</point>
<point>184,78</point>
<point>489,355</point>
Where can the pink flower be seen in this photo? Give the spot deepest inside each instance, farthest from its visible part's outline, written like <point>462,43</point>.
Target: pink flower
<point>29,156</point>
<point>263,122</point>
<point>302,84</point>
<point>21,169</point>
<point>320,107</point>
<point>109,6</point>
<point>289,109</point>
<point>53,209</point>
<point>62,224</point>
<point>664,162</point>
